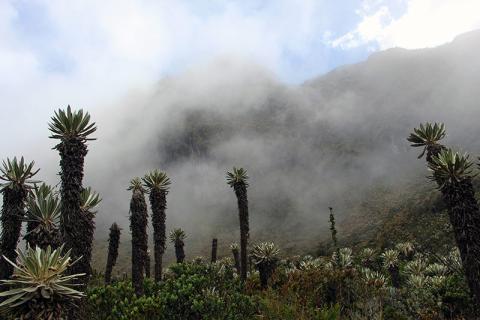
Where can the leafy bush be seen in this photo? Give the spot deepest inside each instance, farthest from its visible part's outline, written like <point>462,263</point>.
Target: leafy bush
<point>189,291</point>
<point>342,286</point>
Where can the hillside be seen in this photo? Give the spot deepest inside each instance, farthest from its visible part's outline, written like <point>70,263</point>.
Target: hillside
<point>338,140</point>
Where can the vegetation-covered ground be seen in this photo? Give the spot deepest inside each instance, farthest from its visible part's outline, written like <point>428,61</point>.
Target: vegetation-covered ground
<point>434,276</point>
<point>346,285</point>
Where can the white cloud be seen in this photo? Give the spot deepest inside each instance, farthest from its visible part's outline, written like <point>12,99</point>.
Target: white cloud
<point>101,50</point>
<point>425,23</point>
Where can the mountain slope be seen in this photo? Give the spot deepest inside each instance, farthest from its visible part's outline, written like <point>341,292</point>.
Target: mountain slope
<point>338,140</point>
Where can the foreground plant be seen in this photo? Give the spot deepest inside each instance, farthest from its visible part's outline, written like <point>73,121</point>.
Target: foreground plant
<point>15,183</point>
<point>40,288</point>
<point>43,218</point>
<point>176,237</point>
<point>158,184</point>
<point>390,262</point>
<point>265,258</point>
<point>138,227</point>
<point>238,180</point>
<point>113,244</point>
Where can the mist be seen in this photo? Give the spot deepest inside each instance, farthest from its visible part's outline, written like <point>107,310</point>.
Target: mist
<point>327,142</point>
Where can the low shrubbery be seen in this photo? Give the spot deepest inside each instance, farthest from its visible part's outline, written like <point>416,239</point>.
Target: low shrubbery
<point>343,286</point>
<point>189,291</point>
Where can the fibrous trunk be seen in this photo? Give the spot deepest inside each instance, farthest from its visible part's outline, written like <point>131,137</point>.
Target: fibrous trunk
<point>138,227</point>
<point>266,270</point>
<point>72,153</point>
<point>147,265</point>
<point>241,193</point>
<point>113,244</point>
<point>179,252</point>
<point>12,217</point>
<point>464,216</point>
<point>159,204</point>
<point>214,250</point>
<point>85,227</point>
<point>38,236</point>
<point>395,275</point>
<point>236,259</point>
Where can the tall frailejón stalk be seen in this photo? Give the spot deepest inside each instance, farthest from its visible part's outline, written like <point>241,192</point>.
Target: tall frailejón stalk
<point>177,236</point>
<point>238,180</point>
<point>157,184</point>
<point>214,250</point>
<point>138,227</point>
<point>72,129</point>
<point>452,173</point>
<point>333,229</point>
<point>113,244</point>
<point>15,183</point>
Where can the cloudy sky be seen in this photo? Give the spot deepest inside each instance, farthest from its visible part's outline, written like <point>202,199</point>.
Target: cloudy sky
<point>90,53</point>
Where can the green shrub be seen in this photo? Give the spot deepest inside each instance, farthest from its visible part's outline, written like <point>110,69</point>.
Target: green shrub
<point>189,291</point>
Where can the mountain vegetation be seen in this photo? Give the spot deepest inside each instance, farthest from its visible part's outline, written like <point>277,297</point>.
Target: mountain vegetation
<point>406,250</point>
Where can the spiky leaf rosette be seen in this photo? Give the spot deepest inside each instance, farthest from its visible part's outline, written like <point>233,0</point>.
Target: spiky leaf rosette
<point>89,199</point>
<point>17,174</point>
<point>390,262</point>
<point>234,246</point>
<point>416,267</point>
<point>367,254</point>
<point>265,257</point>
<point>450,167</point>
<point>373,278</point>
<point>44,207</point>
<point>427,136</point>
<point>157,180</point>
<point>390,258</point>
<point>136,184</point>
<point>265,252</point>
<point>344,259</point>
<point>43,217</point>
<point>407,249</point>
<point>237,175</point>
<point>41,290</point>
<point>66,125</point>
<point>177,235</point>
